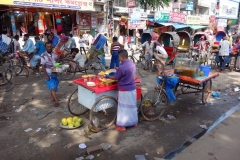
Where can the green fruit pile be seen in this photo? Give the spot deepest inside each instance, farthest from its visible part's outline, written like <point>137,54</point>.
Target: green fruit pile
<point>72,122</point>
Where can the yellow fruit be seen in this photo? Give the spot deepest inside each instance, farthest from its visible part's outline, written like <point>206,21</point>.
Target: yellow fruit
<point>75,118</point>
<point>80,120</point>
<point>69,120</point>
<point>76,124</point>
<point>201,73</point>
<point>64,121</point>
<point>70,125</point>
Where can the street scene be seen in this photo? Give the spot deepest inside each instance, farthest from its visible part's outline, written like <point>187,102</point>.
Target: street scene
<point>132,80</point>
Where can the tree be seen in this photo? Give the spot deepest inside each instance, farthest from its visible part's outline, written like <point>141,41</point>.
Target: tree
<point>153,3</point>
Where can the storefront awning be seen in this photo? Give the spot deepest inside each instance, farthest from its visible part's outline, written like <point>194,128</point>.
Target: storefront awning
<point>166,24</point>
<point>179,26</point>
<point>197,27</point>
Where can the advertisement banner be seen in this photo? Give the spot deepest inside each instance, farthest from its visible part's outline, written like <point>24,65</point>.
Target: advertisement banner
<point>162,16</point>
<point>140,25</point>
<point>189,6</point>
<point>222,22</point>
<point>224,9</point>
<point>177,17</point>
<point>131,3</point>
<point>193,19</point>
<point>59,4</point>
<point>204,19</point>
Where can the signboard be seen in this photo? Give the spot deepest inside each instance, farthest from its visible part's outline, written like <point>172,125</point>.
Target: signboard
<point>162,16</point>
<point>120,9</point>
<point>232,22</point>
<point>140,25</point>
<point>224,9</point>
<point>131,3</point>
<point>203,3</point>
<point>189,6</point>
<point>193,19</point>
<point>222,22</point>
<point>204,19</point>
<point>138,11</point>
<point>177,17</point>
<point>60,4</point>
<point>175,5</point>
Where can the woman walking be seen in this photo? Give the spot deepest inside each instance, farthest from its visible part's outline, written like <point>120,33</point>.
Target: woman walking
<point>115,47</point>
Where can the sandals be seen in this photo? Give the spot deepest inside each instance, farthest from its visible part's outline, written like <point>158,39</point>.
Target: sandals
<point>121,129</point>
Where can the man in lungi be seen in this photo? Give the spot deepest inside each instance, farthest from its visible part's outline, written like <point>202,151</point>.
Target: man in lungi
<point>48,59</point>
<point>127,115</point>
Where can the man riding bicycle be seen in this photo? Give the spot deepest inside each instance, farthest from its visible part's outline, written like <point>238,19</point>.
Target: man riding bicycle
<point>28,48</point>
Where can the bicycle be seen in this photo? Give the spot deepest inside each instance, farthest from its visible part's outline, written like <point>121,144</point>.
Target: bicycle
<point>7,79</point>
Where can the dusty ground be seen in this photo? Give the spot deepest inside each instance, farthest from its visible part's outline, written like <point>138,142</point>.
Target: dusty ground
<point>25,105</point>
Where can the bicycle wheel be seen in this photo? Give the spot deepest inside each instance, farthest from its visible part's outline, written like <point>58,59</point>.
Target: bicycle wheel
<point>95,68</point>
<point>131,59</point>
<point>68,73</point>
<point>144,68</point>
<point>21,73</point>
<point>153,104</point>
<point>74,107</point>
<point>103,113</point>
<point>7,80</point>
<point>206,91</point>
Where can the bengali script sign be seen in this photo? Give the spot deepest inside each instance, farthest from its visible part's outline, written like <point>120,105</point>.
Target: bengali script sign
<point>60,4</point>
<point>177,17</point>
<point>193,19</point>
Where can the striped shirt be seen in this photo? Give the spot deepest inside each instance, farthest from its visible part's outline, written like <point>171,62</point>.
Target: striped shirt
<point>48,60</point>
<point>116,46</point>
<point>224,48</point>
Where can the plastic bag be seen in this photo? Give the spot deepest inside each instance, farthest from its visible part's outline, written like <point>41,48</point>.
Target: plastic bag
<point>52,84</point>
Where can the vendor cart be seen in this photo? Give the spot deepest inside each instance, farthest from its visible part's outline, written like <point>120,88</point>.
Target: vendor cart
<point>100,100</point>
<point>155,101</point>
<point>184,44</point>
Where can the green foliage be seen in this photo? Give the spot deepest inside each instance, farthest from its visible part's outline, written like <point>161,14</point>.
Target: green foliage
<point>153,3</point>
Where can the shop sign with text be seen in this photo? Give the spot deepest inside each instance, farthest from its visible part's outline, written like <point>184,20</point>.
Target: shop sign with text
<point>193,19</point>
<point>140,25</point>
<point>222,22</point>
<point>204,19</point>
<point>177,17</point>
<point>189,6</point>
<point>59,4</point>
<point>162,16</point>
<point>131,3</point>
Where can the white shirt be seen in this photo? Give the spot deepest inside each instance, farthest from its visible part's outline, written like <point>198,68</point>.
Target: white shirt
<point>224,49</point>
<point>120,39</point>
<point>85,36</point>
<point>161,50</point>
<point>80,59</point>
<point>90,39</point>
<point>48,60</point>
<point>149,47</point>
<point>81,42</point>
<point>16,44</point>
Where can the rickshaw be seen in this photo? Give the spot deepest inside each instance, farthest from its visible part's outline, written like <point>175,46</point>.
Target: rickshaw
<point>170,42</point>
<point>184,44</point>
<point>194,52</point>
<point>215,59</point>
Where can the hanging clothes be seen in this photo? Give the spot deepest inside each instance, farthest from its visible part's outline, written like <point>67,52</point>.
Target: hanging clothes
<point>58,23</point>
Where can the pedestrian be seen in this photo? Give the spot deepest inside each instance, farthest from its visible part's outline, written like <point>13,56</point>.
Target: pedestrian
<point>160,57</point>
<point>82,44</point>
<point>120,40</point>
<point>71,42</point>
<point>224,53</point>
<point>90,40</point>
<point>48,59</point>
<point>115,47</point>
<point>237,45</point>
<point>106,46</point>
<point>39,50</point>
<point>127,115</point>
<point>16,44</point>
<point>148,53</point>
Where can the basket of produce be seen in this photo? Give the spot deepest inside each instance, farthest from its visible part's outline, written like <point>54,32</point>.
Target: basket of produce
<point>71,122</point>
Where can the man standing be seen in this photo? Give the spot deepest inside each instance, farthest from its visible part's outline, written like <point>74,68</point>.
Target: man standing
<point>81,44</point>
<point>40,49</point>
<point>127,104</point>
<point>48,59</point>
<point>160,57</point>
<point>224,53</point>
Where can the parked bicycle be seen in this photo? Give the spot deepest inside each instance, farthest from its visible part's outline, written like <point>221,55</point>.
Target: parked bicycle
<point>7,79</point>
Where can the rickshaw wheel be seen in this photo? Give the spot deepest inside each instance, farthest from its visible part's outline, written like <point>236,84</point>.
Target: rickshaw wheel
<point>206,91</point>
<point>145,68</point>
<point>232,64</point>
<point>68,73</point>
<point>21,74</point>
<point>103,113</point>
<point>73,106</point>
<point>153,104</point>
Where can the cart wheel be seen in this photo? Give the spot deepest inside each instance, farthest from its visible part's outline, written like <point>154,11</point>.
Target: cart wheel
<point>206,91</point>
<point>145,68</point>
<point>232,64</point>
<point>103,113</point>
<point>153,104</point>
<point>73,106</point>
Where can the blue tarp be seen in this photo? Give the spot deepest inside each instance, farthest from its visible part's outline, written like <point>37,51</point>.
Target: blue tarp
<point>179,26</point>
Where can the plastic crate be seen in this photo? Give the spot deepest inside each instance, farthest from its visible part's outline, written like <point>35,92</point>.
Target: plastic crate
<point>100,41</point>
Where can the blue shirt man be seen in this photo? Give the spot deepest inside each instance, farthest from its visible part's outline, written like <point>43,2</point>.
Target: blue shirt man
<point>40,46</point>
<point>29,46</point>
